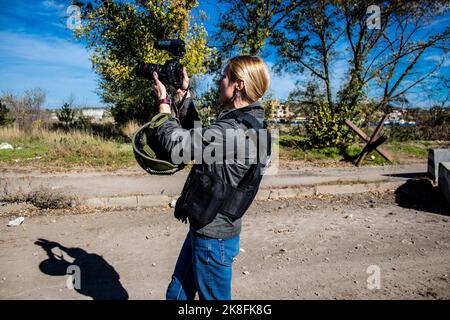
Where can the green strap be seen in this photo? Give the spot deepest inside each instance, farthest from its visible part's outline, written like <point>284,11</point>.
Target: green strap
<point>159,119</point>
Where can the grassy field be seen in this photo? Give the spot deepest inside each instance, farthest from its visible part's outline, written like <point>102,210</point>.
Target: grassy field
<point>59,149</point>
<point>402,152</point>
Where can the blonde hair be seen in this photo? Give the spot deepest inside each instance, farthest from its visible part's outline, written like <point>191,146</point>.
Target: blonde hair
<point>255,74</point>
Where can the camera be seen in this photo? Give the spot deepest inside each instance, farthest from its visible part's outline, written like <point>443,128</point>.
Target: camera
<point>170,73</point>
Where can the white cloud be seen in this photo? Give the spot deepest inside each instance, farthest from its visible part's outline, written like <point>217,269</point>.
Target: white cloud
<point>439,21</point>
<point>42,50</point>
<point>438,58</point>
<point>51,4</point>
<point>54,64</point>
<point>58,8</point>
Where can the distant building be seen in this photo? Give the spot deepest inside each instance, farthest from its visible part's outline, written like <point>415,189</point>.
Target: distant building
<point>96,113</point>
<point>282,114</point>
<point>280,111</point>
<point>396,118</point>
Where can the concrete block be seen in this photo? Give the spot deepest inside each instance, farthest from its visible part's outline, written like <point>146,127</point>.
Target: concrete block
<point>358,188</point>
<point>154,200</point>
<point>129,201</point>
<point>96,202</point>
<point>295,192</point>
<point>444,179</point>
<point>436,156</point>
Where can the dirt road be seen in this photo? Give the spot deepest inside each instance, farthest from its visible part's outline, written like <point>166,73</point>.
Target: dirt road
<point>312,248</point>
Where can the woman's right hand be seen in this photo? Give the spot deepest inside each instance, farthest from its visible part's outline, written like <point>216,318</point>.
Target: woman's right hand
<point>184,86</point>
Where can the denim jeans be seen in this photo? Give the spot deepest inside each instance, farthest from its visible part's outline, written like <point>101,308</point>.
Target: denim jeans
<point>204,266</point>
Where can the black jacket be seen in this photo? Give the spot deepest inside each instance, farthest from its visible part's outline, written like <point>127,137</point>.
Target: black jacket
<point>231,172</point>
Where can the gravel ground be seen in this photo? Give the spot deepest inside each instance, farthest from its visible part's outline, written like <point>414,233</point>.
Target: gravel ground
<point>310,248</point>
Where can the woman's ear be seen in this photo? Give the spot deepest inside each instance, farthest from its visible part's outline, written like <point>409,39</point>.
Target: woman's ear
<point>240,85</point>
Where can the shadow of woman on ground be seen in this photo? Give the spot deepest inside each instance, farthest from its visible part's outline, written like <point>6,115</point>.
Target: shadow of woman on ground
<point>92,275</point>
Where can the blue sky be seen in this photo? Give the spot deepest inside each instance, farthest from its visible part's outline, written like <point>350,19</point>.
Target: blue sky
<point>37,50</point>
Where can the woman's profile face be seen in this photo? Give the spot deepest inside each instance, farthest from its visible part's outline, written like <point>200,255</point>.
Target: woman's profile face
<point>226,88</point>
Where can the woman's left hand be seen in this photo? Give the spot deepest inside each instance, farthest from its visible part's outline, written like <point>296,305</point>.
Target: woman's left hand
<point>184,86</point>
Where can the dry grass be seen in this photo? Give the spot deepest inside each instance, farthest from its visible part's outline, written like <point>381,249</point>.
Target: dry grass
<point>62,148</point>
<point>130,128</point>
<point>13,132</point>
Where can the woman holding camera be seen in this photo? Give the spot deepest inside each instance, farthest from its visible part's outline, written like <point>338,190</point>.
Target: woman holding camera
<point>215,195</point>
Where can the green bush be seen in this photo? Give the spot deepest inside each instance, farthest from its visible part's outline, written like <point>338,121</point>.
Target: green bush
<point>328,152</point>
<point>4,112</point>
<point>291,141</point>
<point>326,127</point>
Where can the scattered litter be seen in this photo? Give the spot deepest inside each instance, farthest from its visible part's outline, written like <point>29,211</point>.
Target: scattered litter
<point>246,272</point>
<point>6,146</point>
<point>349,216</point>
<point>241,250</point>
<point>173,203</point>
<point>34,158</point>
<point>16,222</point>
<point>153,264</point>
<point>406,241</point>
<point>283,250</point>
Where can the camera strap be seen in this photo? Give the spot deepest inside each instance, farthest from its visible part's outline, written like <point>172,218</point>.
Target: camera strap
<point>179,105</point>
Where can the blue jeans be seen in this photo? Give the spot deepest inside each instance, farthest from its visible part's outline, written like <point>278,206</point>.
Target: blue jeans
<point>204,266</point>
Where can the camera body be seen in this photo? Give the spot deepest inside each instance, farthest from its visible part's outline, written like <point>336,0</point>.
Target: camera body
<point>170,73</point>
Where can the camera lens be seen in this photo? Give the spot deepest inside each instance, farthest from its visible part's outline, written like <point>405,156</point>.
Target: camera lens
<point>145,70</point>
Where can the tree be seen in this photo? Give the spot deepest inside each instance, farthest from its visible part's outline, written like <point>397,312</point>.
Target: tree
<point>25,109</point>
<point>387,59</point>
<point>381,64</point>
<point>437,123</point>
<point>247,24</point>
<point>66,114</point>
<point>121,34</point>
<point>4,118</point>
<point>307,44</point>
